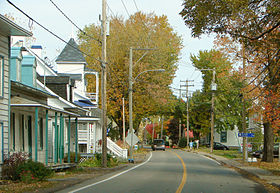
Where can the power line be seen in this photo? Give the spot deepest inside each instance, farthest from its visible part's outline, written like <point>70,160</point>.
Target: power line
<point>74,23</point>
<point>262,80</point>
<point>141,19</point>
<point>52,32</point>
<point>125,9</point>
<point>263,70</point>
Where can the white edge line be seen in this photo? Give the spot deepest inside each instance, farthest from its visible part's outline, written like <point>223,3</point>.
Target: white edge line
<point>112,176</point>
<point>211,159</point>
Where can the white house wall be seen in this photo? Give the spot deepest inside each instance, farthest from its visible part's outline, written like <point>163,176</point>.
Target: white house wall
<point>232,138</point>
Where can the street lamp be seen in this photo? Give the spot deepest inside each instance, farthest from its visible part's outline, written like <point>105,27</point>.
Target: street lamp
<point>131,81</point>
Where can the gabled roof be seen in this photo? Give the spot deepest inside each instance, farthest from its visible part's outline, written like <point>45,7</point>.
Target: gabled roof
<point>71,53</point>
<point>42,61</point>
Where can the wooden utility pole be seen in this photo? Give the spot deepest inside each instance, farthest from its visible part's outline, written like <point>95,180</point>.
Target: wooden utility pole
<point>212,110</point>
<point>161,129</point>
<point>123,122</point>
<point>188,122</point>
<point>180,125</point>
<point>244,147</point>
<point>103,86</point>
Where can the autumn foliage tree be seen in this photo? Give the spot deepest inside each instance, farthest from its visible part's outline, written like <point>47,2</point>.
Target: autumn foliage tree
<point>151,94</point>
<point>255,24</point>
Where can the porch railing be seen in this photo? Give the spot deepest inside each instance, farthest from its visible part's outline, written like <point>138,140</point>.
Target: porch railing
<point>115,149</point>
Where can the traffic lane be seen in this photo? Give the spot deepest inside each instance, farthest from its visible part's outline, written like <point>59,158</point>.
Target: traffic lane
<point>163,173</point>
<point>207,175</point>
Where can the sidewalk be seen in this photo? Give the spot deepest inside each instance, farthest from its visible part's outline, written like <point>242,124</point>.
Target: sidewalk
<point>262,174</point>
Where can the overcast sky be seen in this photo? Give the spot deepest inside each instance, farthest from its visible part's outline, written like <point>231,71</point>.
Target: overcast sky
<point>85,12</point>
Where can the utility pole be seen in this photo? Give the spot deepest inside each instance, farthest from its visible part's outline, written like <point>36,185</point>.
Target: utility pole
<point>161,130</point>
<point>153,134</point>
<point>180,124</point>
<point>213,88</point>
<point>123,123</point>
<point>244,148</point>
<point>188,122</point>
<point>103,86</point>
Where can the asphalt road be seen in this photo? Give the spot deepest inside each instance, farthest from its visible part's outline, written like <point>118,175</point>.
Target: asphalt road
<point>172,171</point>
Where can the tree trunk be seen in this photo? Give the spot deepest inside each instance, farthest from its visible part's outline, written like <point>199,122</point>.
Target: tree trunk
<point>268,143</point>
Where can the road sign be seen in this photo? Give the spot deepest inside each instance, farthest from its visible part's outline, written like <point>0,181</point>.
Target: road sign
<point>135,139</point>
<point>246,134</point>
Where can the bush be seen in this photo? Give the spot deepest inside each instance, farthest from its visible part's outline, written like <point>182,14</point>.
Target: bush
<point>11,164</point>
<point>72,157</point>
<point>96,161</point>
<point>183,142</point>
<point>31,171</point>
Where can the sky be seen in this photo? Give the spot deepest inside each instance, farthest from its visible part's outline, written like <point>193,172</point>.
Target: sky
<point>85,12</point>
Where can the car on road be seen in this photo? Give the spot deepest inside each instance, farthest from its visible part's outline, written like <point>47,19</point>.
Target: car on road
<point>158,144</point>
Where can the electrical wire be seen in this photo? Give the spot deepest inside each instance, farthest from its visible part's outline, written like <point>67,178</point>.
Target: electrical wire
<point>52,32</point>
<point>257,86</point>
<point>263,70</point>
<point>125,9</point>
<point>74,23</point>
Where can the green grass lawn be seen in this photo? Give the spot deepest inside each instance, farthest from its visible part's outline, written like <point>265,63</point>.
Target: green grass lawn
<point>230,154</point>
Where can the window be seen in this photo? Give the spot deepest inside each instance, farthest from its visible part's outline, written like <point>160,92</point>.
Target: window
<point>1,76</point>
<point>223,136</point>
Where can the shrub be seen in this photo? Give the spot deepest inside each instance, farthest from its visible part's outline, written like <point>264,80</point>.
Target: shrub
<point>11,164</point>
<point>96,161</point>
<point>72,157</point>
<point>183,142</point>
<point>31,171</point>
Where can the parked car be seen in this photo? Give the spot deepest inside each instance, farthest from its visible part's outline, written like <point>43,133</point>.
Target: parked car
<point>219,146</point>
<point>158,144</point>
<point>259,153</point>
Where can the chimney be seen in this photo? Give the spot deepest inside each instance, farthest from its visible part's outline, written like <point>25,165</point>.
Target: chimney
<point>37,49</point>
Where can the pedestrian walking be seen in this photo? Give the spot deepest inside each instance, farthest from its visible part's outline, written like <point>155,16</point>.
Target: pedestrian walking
<point>191,145</point>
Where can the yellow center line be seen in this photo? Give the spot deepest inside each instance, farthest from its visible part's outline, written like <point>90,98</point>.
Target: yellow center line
<point>184,179</point>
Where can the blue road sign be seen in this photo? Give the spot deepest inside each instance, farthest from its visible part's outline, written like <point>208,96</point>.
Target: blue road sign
<point>246,134</point>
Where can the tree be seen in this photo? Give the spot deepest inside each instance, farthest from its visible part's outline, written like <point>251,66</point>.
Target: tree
<point>150,91</point>
<point>227,100</point>
<point>255,24</point>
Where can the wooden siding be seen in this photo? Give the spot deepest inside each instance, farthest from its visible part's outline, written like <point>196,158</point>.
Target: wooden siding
<point>4,109</point>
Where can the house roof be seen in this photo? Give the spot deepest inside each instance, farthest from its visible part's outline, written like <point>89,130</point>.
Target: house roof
<point>41,60</point>
<point>71,53</point>
<point>20,87</point>
<point>72,76</point>
<point>85,103</point>
<point>9,28</point>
